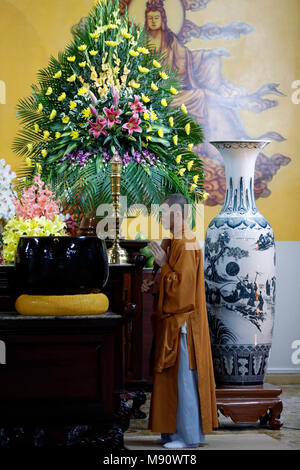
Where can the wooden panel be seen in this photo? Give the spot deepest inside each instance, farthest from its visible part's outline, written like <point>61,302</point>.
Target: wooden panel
<point>59,367</point>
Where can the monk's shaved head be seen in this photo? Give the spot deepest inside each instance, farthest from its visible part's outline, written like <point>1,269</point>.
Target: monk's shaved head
<point>177,201</point>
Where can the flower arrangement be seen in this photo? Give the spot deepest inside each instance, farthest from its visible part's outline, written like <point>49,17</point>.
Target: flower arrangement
<point>108,93</point>
<point>7,208</point>
<point>37,214</point>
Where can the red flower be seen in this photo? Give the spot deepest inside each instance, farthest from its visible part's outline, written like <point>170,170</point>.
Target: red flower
<point>133,125</point>
<point>112,114</point>
<point>98,127</point>
<point>137,106</point>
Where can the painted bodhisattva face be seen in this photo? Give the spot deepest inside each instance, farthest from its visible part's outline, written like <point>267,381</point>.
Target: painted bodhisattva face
<point>154,20</point>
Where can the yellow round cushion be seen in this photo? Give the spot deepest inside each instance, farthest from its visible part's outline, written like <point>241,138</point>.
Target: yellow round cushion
<point>64,305</point>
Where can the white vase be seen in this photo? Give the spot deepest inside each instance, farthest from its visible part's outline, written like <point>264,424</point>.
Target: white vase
<point>239,265</point>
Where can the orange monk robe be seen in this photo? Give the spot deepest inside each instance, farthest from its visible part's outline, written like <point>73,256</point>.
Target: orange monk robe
<point>181,298</point>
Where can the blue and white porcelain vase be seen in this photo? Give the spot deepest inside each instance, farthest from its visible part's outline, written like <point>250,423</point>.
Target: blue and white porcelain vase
<point>240,277</point>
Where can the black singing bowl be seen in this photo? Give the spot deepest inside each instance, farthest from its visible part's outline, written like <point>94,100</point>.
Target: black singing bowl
<point>61,265</point>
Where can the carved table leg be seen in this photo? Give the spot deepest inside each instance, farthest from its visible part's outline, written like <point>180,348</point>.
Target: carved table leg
<point>275,413</point>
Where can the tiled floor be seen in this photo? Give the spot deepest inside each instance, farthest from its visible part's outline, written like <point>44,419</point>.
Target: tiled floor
<point>233,436</point>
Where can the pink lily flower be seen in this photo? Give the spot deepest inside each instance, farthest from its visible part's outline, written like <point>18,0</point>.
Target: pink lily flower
<point>133,124</point>
<point>137,106</point>
<point>98,127</point>
<point>94,111</point>
<point>112,115</point>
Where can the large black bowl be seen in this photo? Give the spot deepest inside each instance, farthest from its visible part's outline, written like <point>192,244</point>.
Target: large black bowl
<point>61,265</point>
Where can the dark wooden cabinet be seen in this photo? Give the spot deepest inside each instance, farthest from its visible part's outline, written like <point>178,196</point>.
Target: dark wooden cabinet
<point>73,373</point>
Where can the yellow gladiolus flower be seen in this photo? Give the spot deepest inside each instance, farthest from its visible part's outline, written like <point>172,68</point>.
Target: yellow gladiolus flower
<point>190,147</point>
<point>205,196</point>
<point>74,134</point>
<point>164,103</point>
<point>146,116</point>
<point>94,35</point>
<point>192,187</point>
<point>93,53</point>
<point>188,129</point>
<point>190,164</point>
<point>182,171</point>
<point>125,34</point>
<point>40,108</point>
<point>174,91</point>
<point>53,114</point>
<point>143,50</point>
<point>183,108</point>
<point>44,153</point>
<point>156,64</point>
<point>82,91</point>
<point>28,161</point>
<point>196,178</point>
<point>154,87</point>
<point>30,147</point>
<point>178,159</point>
<point>148,138</point>
<point>57,135</point>
<point>160,133</point>
<point>49,91</point>
<point>39,167</point>
<point>72,78</point>
<point>143,69</point>
<point>82,47</point>
<point>171,121</point>
<point>82,64</point>
<point>175,139</point>
<point>62,97</point>
<point>46,135</point>
<point>73,105</point>
<point>146,99</point>
<point>36,128</point>
<point>111,43</point>
<point>65,120</point>
<point>58,74</point>
<point>71,58</point>
<point>86,112</point>
<point>134,84</point>
<point>163,75</point>
<point>133,53</point>
<point>153,116</point>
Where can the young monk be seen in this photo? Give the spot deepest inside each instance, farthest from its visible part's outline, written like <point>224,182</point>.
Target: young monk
<point>183,402</point>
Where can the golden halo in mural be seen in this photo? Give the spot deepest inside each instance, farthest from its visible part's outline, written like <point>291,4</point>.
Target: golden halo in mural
<point>137,9</point>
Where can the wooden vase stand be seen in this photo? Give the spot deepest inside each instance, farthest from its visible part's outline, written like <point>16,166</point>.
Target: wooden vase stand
<point>249,404</point>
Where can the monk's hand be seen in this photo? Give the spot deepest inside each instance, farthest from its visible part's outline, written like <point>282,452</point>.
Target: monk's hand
<point>160,256</point>
<point>147,284</point>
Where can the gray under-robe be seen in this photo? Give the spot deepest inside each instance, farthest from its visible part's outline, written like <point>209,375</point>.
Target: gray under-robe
<point>189,425</point>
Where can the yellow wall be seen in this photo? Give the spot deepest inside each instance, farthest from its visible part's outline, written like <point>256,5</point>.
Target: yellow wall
<point>32,30</point>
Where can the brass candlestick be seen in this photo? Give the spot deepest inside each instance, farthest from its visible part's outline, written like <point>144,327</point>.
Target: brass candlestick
<point>116,254</point>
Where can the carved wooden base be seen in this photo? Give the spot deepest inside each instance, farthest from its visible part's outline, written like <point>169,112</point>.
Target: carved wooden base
<point>101,436</point>
<point>138,398</point>
<point>251,404</point>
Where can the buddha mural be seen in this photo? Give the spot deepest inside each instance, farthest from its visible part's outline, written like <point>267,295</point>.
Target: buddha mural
<point>212,99</point>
